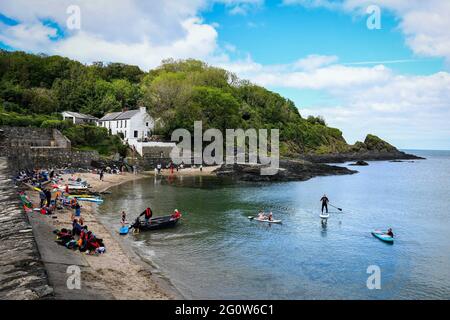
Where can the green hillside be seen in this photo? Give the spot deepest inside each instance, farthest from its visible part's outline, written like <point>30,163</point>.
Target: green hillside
<point>35,88</point>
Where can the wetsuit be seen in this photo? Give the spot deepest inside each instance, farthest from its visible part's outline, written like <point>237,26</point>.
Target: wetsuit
<point>325,203</point>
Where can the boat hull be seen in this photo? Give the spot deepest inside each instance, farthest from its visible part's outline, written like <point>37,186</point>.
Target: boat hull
<point>157,223</point>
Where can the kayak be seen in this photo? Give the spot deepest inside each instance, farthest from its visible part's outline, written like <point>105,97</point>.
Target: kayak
<point>71,187</point>
<point>382,236</point>
<point>81,196</point>
<point>124,230</point>
<point>264,220</point>
<point>97,200</point>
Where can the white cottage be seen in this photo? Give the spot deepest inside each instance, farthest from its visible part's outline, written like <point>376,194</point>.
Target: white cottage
<point>135,125</point>
<point>78,118</point>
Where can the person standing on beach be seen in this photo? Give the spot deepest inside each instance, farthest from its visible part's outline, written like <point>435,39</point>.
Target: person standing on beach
<point>77,210</point>
<point>101,175</point>
<point>324,201</point>
<point>48,196</point>
<point>42,197</point>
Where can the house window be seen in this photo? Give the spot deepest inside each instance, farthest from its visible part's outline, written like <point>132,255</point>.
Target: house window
<point>135,133</point>
<point>146,124</point>
<point>126,123</point>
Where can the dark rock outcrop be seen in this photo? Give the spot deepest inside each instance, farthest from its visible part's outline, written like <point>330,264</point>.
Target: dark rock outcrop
<point>360,163</point>
<point>372,149</point>
<point>290,170</point>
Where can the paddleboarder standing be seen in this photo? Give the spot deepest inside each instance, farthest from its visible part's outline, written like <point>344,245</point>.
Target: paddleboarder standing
<point>325,202</point>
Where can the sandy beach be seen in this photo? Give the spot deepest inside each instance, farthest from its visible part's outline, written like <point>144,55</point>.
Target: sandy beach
<point>117,271</point>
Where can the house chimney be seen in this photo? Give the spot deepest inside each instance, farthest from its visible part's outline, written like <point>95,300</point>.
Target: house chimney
<point>143,109</point>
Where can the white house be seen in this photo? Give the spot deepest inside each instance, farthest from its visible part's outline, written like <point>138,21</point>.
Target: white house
<point>133,124</point>
<point>78,118</point>
<point>136,126</point>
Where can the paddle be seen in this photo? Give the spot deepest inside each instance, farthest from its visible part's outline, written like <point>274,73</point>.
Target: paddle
<point>335,207</point>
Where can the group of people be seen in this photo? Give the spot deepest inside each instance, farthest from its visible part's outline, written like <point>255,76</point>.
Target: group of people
<point>325,201</point>
<point>35,177</point>
<point>80,238</point>
<point>263,216</point>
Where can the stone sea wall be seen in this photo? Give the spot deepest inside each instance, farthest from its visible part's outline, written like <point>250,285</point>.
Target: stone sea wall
<point>22,273</point>
<point>29,148</point>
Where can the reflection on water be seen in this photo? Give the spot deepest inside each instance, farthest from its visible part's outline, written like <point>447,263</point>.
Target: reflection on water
<point>217,252</point>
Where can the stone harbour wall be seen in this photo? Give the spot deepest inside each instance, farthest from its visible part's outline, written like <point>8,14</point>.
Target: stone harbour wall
<point>48,157</point>
<point>22,273</point>
<point>30,148</point>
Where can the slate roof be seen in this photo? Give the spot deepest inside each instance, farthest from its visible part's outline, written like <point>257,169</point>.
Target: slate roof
<point>80,115</point>
<point>120,115</point>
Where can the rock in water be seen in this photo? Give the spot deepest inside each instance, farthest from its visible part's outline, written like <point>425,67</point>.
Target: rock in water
<point>360,163</point>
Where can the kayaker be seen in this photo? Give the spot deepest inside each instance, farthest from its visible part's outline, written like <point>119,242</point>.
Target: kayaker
<point>324,201</point>
<point>390,233</point>
<point>270,217</point>
<point>261,215</point>
<point>147,215</point>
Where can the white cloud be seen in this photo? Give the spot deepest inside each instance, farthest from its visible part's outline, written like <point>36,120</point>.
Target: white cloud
<point>130,31</point>
<point>409,111</point>
<point>425,24</point>
<point>314,61</point>
<point>241,7</point>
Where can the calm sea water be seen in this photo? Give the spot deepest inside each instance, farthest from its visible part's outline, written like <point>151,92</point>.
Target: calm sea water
<point>216,252</point>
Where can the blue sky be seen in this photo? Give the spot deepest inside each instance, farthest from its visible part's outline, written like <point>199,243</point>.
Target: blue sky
<point>392,82</point>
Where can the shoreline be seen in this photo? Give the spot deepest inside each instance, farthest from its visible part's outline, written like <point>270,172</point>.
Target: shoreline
<point>119,273</point>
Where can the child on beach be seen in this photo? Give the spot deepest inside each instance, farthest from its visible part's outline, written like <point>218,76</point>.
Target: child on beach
<point>123,220</point>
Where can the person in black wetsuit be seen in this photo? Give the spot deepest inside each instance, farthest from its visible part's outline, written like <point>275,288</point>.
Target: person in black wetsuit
<point>324,201</point>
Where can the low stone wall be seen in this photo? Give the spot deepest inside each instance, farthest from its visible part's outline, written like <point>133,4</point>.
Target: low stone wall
<point>22,273</point>
<point>47,157</point>
<point>28,136</point>
<point>29,148</point>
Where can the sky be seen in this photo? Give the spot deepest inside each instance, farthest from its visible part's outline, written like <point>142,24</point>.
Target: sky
<point>392,81</point>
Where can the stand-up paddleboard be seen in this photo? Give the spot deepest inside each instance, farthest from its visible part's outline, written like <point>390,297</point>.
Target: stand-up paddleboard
<point>264,220</point>
<point>382,236</point>
<point>124,230</point>
<point>324,215</point>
